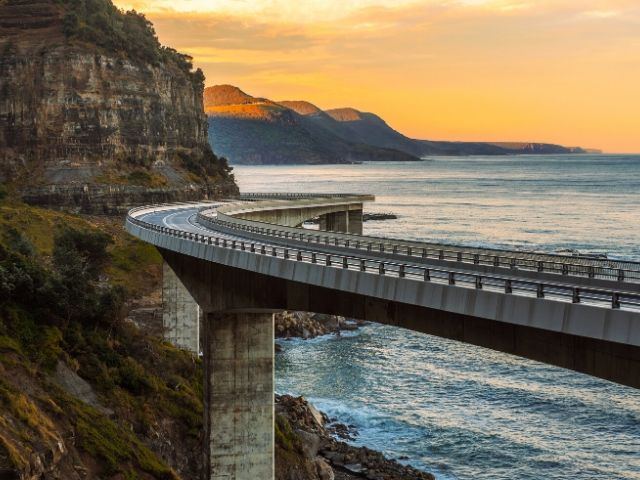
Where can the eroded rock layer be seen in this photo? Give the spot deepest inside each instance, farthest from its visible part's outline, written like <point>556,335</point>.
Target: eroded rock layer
<point>79,114</point>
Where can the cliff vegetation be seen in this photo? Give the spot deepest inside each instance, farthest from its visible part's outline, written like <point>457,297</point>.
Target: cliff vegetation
<point>65,288</point>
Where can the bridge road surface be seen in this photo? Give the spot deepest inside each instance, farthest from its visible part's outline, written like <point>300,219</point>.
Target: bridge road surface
<point>185,219</point>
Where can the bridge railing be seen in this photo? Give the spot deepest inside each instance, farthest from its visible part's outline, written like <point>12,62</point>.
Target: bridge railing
<point>294,196</point>
<point>612,298</point>
<point>610,270</point>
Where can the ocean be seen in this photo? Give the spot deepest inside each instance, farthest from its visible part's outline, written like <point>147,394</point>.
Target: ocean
<point>456,410</point>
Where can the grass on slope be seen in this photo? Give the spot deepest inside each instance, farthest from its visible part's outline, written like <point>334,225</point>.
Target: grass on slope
<point>64,284</point>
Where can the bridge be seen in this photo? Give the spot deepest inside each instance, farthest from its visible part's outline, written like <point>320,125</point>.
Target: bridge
<point>236,263</point>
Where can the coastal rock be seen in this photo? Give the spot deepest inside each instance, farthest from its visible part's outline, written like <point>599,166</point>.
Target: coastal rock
<point>308,325</point>
<point>94,128</point>
<point>359,462</point>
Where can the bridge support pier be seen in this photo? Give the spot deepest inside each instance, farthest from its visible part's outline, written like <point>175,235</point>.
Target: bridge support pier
<point>354,225</point>
<point>348,221</point>
<point>239,400</point>
<point>180,312</point>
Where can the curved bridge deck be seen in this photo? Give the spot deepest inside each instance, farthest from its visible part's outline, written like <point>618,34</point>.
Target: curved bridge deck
<point>583,297</point>
<point>240,260</point>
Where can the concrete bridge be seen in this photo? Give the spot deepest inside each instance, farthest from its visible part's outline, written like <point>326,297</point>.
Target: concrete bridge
<point>235,263</point>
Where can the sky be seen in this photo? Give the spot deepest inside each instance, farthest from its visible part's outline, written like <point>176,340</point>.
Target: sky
<point>558,71</point>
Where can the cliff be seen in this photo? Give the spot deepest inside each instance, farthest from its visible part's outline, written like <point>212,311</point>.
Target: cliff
<point>252,130</point>
<point>93,106</point>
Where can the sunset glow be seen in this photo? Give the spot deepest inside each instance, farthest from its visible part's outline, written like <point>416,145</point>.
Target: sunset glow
<point>559,71</point>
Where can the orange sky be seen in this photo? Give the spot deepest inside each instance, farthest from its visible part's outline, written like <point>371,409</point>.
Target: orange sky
<point>560,71</point>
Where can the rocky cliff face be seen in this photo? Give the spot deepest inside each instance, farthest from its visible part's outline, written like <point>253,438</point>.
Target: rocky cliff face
<point>77,114</point>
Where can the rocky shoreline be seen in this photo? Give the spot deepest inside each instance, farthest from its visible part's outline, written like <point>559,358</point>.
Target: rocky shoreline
<point>366,217</point>
<point>303,429</point>
<point>319,440</point>
<point>310,325</point>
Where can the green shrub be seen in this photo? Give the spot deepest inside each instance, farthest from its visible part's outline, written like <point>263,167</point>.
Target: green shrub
<point>130,33</point>
<point>139,177</point>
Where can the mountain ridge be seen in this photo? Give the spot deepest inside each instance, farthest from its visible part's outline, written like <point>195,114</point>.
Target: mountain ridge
<point>228,105</point>
<point>255,130</point>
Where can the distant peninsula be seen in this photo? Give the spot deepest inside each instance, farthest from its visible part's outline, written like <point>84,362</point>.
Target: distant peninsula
<point>254,130</point>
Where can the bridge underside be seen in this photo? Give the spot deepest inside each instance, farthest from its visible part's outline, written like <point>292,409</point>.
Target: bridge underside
<point>346,218</point>
<point>238,350</point>
<point>220,288</point>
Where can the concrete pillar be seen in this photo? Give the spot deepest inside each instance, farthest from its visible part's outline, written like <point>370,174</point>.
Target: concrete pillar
<point>341,221</point>
<point>239,405</point>
<point>355,222</point>
<point>335,222</point>
<point>326,222</point>
<point>180,313</point>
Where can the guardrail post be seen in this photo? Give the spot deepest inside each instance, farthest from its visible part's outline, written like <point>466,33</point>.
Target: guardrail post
<point>335,242</point>
<point>424,253</point>
<point>328,260</point>
<point>345,264</point>
<point>346,243</point>
<point>395,249</point>
<point>382,247</point>
<point>541,266</point>
<point>326,240</point>
<point>224,243</point>
<point>253,248</point>
<point>381,269</point>
<point>507,286</point>
<point>273,252</point>
<point>441,255</point>
<point>233,244</point>
<point>565,269</point>
<point>299,256</point>
<point>452,278</point>
<point>217,241</point>
<point>621,275</point>
<point>363,266</point>
<point>592,272</point>
<point>286,253</point>
<point>409,251</point>
<point>479,282</point>
<point>242,246</point>
<point>427,275</point>
<point>576,295</point>
<point>540,291</point>
<point>313,257</point>
<point>210,240</point>
<point>476,258</point>
<point>368,247</point>
<point>496,261</point>
<point>263,250</point>
<point>512,264</point>
<point>357,243</point>
<point>459,257</point>
<point>401,272</point>
<point>615,300</point>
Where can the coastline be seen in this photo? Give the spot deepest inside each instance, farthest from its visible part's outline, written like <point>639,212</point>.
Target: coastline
<point>323,441</point>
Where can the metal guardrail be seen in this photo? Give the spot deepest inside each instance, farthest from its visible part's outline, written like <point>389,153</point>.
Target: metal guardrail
<point>615,299</point>
<point>294,196</point>
<point>541,263</point>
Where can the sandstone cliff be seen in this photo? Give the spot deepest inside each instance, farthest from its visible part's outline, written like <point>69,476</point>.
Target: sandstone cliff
<point>92,107</point>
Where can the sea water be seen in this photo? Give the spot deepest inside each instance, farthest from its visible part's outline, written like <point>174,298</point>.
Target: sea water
<point>456,410</point>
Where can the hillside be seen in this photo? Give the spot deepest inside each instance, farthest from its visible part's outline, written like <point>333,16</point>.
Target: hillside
<point>111,118</point>
<point>249,130</point>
